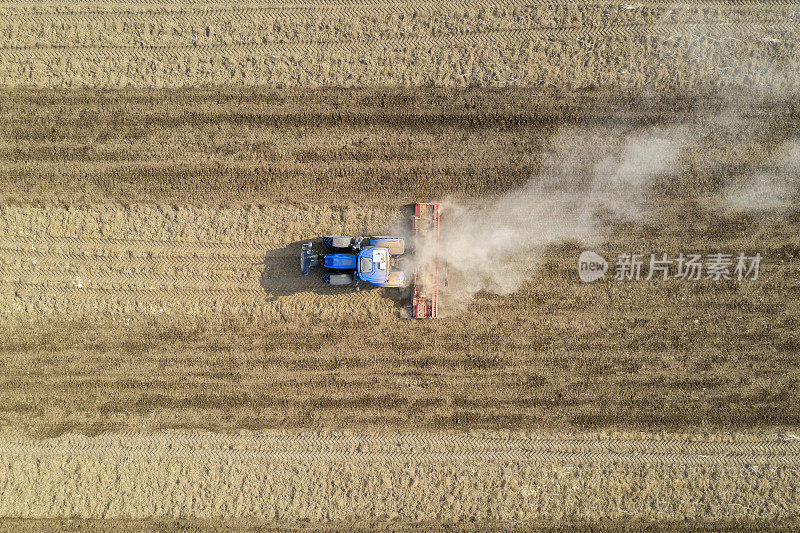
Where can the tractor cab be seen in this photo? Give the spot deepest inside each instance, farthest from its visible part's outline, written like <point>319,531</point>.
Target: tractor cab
<point>373,265</point>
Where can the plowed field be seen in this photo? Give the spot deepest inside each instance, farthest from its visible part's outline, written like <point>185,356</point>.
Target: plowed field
<point>161,356</point>
<point>540,43</point>
<point>204,291</point>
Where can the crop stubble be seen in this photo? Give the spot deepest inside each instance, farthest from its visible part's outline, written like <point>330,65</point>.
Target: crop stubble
<point>403,477</point>
<point>148,246</point>
<point>125,310</point>
<point>541,43</point>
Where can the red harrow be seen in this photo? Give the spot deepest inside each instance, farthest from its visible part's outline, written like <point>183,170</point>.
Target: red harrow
<point>425,281</point>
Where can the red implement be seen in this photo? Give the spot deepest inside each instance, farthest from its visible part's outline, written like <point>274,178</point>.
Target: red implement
<point>425,283</point>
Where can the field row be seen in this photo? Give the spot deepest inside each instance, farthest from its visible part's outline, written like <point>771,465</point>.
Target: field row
<point>573,45</point>
<point>182,263</point>
<point>403,476</point>
<point>373,146</point>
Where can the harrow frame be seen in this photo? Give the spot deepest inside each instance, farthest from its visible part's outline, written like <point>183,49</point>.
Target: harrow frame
<point>425,297</point>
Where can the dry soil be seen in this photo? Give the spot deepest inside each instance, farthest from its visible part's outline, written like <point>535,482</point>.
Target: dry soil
<point>160,166</point>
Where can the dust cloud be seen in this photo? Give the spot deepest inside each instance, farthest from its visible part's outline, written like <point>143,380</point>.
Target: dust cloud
<point>585,184</point>
<point>586,181</point>
<point>770,189</point>
<point>496,245</point>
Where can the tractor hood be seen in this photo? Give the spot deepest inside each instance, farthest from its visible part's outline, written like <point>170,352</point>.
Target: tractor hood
<point>373,264</point>
<point>340,261</point>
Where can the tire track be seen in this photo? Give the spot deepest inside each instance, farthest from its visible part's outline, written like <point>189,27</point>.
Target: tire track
<point>420,447</point>
<point>119,245</point>
<point>232,17</point>
<point>384,477</point>
<point>135,281</point>
<point>45,266</point>
<point>476,39</point>
<point>39,289</point>
<point>111,266</point>
<point>148,11</point>
<point>585,27</point>
<point>66,259</point>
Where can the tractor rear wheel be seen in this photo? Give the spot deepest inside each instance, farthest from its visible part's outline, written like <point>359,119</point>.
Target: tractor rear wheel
<point>337,241</point>
<point>337,279</point>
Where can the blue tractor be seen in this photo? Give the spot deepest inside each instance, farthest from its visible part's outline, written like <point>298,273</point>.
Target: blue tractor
<point>354,259</point>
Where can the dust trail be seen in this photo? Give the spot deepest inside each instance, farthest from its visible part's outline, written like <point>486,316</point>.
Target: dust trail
<point>495,246</point>
<point>587,179</point>
<point>771,188</point>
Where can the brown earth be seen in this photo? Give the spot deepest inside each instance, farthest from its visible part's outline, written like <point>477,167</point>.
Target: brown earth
<point>656,44</point>
<point>150,282</point>
<point>149,231</point>
<point>170,297</point>
<point>513,478</point>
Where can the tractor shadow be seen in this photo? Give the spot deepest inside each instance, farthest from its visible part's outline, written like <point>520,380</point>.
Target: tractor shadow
<point>281,276</point>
